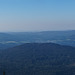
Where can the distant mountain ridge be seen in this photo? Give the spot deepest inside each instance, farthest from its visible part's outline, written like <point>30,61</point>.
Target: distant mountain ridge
<point>12,39</point>
<point>38,59</point>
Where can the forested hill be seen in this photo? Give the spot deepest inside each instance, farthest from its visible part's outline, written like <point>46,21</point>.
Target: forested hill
<point>38,59</point>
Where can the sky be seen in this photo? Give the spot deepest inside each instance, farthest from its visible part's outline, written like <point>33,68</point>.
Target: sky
<point>37,15</point>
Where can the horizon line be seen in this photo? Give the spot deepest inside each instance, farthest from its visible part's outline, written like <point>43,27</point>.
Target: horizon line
<point>33,31</point>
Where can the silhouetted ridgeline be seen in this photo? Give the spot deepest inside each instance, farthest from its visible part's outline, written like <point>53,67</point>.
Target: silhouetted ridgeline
<point>38,59</point>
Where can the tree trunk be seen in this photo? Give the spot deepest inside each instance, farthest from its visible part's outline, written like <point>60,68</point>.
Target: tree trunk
<point>3,73</point>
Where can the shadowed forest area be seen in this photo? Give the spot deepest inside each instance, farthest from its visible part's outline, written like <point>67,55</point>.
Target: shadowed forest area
<point>38,59</point>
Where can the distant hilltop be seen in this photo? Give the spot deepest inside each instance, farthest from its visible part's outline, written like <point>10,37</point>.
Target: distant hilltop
<point>11,39</point>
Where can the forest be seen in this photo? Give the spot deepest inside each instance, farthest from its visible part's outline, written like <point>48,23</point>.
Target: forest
<point>38,59</point>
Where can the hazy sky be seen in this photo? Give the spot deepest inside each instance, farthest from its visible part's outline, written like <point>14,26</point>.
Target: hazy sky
<point>37,15</point>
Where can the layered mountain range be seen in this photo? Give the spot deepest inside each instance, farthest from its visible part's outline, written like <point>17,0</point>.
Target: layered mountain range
<point>11,39</point>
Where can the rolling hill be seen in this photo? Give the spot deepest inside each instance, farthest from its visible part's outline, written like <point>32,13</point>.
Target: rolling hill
<point>38,59</point>
<point>11,39</point>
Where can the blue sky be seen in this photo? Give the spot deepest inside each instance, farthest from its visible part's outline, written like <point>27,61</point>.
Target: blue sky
<point>37,15</point>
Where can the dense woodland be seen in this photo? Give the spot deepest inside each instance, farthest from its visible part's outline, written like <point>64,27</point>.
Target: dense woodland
<point>38,59</point>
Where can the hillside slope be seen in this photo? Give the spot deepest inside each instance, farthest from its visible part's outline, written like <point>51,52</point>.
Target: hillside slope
<point>38,59</point>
